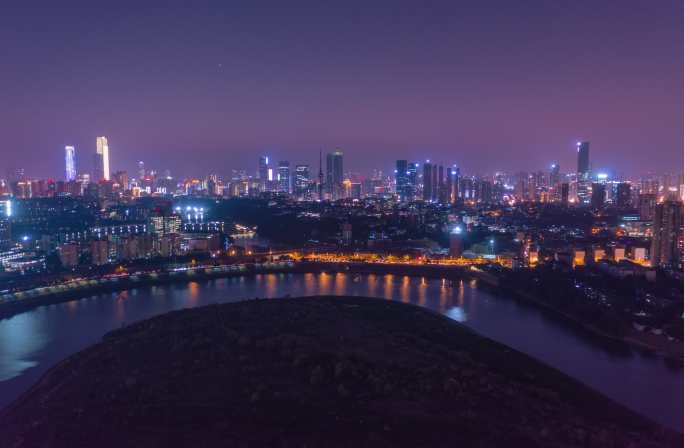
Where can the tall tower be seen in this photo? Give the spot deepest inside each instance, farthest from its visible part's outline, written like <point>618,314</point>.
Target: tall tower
<point>401,180</point>
<point>582,158</point>
<point>583,175</point>
<point>103,156</point>
<point>284,176</point>
<point>335,174</point>
<point>320,175</point>
<point>262,172</point>
<point>70,159</point>
<point>427,181</point>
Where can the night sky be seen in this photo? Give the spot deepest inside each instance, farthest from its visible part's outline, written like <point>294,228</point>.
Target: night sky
<point>201,87</point>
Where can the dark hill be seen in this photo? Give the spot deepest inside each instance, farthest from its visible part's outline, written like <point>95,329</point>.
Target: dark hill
<point>313,372</point>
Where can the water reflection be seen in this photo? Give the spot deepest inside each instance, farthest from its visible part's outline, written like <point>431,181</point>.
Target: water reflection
<point>34,340</point>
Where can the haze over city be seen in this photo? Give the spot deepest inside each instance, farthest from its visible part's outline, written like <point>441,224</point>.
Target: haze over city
<point>377,223</point>
<point>488,85</point>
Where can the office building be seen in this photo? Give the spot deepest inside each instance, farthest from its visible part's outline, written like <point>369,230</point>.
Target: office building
<point>583,173</point>
<point>554,175</point>
<point>428,189</point>
<point>70,160</point>
<point>334,175</point>
<point>284,176</point>
<point>598,195</point>
<point>667,245</point>
<point>102,158</point>
<point>623,196</point>
<point>302,182</point>
<point>403,188</point>
<point>5,226</point>
<point>262,172</point>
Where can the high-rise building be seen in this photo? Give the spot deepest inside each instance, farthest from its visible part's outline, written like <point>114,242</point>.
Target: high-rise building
<point>583,173</point>
<point>335,174</point>
<point>554,175</point>
<point>583,158</point>
<point>262,172</point>
<point>70,160</point>
<point>564,193</point>
<point>5,229</point>
<point>623,195</point>
<point>598,195</point>
<point>428,179</point>
<point>141,170</point>
<point>302,182</point>
<point>403,188</point>
<point>103,158</point>
<point>449,185</point>
<point>667,245</point>
<point>647,206</point>
<point>284,176</point>
<point>412,174</point>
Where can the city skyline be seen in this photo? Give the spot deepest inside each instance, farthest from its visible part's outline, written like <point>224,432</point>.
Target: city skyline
<point>518,84</point>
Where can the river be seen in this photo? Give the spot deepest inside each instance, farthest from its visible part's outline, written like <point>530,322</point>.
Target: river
<point>33,341</point>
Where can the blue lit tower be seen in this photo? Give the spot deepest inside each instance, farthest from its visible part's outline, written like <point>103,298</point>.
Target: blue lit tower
<point>70,159</point>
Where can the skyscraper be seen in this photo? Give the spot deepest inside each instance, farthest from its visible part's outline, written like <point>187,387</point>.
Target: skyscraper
<point>582,158</point>
<point>284,176</point>
<point>624,195</point>
<point>554,175</point>
<point>428,177</point>
<point>70,159</point>
<point>402,180</point>
<point>302,182</point>
<point>141,170</point>
<point>667,245</point>
<point>598,195</point>
<point>5,229</point>
<point>262,172</point>
<point>583,172</point>
<point>335,174</point>
<point>103,158</point>
<point>412,174</point>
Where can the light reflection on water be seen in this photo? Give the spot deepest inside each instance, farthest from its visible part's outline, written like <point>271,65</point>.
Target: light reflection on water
<point>33,341</point>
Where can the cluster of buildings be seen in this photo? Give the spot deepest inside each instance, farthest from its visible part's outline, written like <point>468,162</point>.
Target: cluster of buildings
<point>649,208</point>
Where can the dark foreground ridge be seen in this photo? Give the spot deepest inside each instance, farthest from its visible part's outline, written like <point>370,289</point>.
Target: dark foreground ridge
<point>326,371</point>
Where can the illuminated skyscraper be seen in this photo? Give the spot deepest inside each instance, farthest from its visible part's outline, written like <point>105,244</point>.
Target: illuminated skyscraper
<point>302,182</point>
<point>554,176</point>
<point>284,176</point>
<point>582,158</point>
<point>401,180</point>
<point>103,158</point>
<point>335,174</point>
<point>583,172</point>
<point>141,170</point>
<point>70,159</point>
<point>5,229</point>
<point>262,172</point>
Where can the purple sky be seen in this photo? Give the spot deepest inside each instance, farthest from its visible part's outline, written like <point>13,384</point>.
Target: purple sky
<point>206,88</point>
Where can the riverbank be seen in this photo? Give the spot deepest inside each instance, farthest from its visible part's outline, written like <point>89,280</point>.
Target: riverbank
<point>334,371</point>
<point>11,304</point>
<point>27,300</point>
<point>671,350</point>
